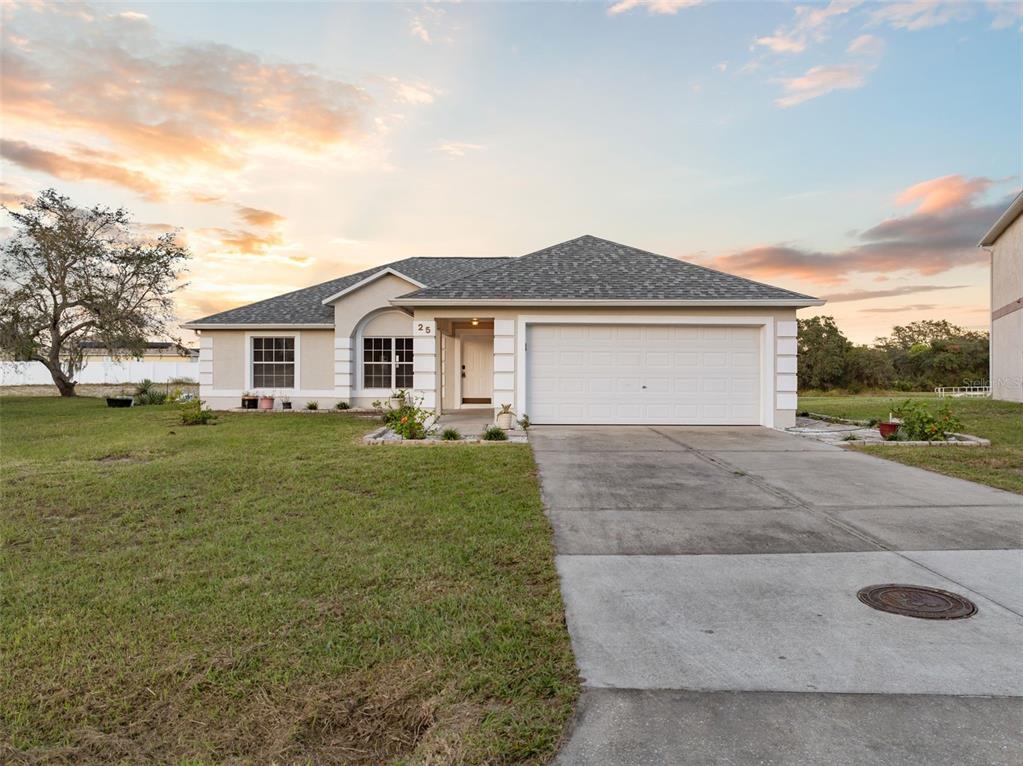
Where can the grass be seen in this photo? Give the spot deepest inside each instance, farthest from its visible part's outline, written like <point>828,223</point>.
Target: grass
<point>267,590</point>
<point>1000,465</point>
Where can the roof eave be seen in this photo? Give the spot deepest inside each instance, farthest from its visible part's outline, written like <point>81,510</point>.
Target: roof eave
<point>710,303</point>
<point>1004,222</point>
<point>258,326</point>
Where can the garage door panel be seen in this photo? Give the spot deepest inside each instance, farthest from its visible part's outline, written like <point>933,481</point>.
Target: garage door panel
<point>643,374</point>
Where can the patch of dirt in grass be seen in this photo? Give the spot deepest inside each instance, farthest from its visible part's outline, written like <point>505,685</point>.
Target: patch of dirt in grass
<point>366,718</point>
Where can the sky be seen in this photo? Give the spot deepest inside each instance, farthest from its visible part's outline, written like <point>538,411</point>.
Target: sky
<point>854,151</point>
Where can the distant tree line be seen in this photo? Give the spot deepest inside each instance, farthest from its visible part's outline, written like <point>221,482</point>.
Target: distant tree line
<point>916,357</point>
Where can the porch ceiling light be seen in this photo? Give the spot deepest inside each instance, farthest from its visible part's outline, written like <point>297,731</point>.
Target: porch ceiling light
<point>475,322</point>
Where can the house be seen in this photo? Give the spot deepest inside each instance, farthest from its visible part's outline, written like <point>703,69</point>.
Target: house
<point>587,331</point>
<point>155,351</point>
<point>1005,243</point>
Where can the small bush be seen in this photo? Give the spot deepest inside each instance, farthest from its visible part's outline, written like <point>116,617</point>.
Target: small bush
<point>524,423</point>
<point>313,405</point>
<point>495,434</point>
<point>146,393</point>
<point>194,413</point>
<point>451,435</point>
<point>342,406</point>
<point>920,424</point>
<point>408,418</point>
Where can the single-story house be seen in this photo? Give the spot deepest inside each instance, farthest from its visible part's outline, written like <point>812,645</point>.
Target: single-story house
<point>587,332</point>
<point>1005,243</point>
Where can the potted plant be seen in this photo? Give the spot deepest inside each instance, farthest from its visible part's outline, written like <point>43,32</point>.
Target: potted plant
<point>266,402</point>
<point>505,418</point>
<point>249,401</point>
<point>285,402</point>
<point>888,429</point>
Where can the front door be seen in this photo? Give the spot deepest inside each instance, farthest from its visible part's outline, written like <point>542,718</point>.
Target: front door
<point>477,370</point>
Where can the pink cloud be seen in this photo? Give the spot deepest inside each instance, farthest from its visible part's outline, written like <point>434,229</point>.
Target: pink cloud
<point>819,81</point>
<point>652,6</point>
<point>943,193</point>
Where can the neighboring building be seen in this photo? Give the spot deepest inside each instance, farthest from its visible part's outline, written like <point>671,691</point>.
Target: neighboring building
<point>1005,243</point>
<point>587,331</point>
<point>156,351</point>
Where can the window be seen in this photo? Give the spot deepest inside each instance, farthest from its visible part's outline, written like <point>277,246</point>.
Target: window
<point>387,363</point>
<point>273,362</point>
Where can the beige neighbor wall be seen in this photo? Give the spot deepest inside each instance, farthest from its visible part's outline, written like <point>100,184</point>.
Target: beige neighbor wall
<point>224,367</point>
<point>506,344</point>
<point>1007,314</point>
<point>367,310</point>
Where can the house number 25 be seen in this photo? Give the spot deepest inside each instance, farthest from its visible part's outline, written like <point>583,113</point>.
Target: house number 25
<point>424,328</point>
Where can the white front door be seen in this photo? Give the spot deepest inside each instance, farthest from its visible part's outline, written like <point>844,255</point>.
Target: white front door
<point>477,370</point>
<point>654,374</point>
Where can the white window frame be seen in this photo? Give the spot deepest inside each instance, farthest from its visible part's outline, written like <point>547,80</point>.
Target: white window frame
<point>250,372</point>
<point>361,372</point>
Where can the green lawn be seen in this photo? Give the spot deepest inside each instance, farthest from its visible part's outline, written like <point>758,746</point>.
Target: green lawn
<point>1000,465</point>
<point>269,590</point>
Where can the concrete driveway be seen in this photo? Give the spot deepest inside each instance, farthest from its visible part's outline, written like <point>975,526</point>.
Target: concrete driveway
<point>710,579</point>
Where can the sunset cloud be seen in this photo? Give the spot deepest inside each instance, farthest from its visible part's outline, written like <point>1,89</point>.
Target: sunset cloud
<point>256,217</point>
<point>457,148</point>
<point>71,168</point>
<point>661,7</point>
<point>921,14</point>
<point>810,25</point>
<point>862,295</point>
<point>943,193</point>
<point>185,111</point>
<point>819,81</point>
<point>925,242</point>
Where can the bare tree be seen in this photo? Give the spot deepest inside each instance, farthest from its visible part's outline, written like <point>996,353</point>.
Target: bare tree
<point>73,274</point>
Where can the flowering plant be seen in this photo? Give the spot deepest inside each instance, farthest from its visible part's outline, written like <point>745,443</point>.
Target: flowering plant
<point>405,415</point>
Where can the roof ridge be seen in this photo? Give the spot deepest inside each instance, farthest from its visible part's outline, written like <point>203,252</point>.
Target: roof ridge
<point>698,266</point>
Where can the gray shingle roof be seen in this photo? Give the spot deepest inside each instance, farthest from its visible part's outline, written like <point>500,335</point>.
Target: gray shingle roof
<point>305,306</point>
<point>590,268</point>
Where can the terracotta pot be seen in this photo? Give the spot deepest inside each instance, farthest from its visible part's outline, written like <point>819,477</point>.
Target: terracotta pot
<point>887,429</point>
<point>266,403</point>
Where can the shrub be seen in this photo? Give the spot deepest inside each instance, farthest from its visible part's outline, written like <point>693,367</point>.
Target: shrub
<point>494,434</point>
<point>342,406</point>
<point>524,423</point>
<point>451,435</point>
<point>313,405</point>
<point>146,393</point>
<point>194,413</point>
<point>920,424</point>
<point>403,413</point>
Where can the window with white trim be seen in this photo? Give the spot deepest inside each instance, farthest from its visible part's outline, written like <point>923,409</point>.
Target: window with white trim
<point>387,363</point>
<point>273,362</point>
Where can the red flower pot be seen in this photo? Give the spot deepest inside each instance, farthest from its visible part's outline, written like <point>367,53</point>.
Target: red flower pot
<point>266,402</point>
<point>887,429</point>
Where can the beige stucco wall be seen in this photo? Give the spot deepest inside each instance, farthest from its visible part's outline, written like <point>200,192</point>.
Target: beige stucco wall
<point>1007,330</point>
<point>224,371</point>
<point>506,345</point>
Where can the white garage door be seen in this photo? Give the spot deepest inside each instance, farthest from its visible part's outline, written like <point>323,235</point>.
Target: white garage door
<point>654,374</point>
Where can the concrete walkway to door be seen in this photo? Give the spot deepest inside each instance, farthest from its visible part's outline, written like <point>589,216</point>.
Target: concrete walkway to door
<point>710,579</point>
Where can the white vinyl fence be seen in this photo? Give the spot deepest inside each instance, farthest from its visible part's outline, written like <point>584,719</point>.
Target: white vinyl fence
<point>101,371</point>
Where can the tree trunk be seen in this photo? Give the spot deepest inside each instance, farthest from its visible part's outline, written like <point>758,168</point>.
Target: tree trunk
<point>64,385</point>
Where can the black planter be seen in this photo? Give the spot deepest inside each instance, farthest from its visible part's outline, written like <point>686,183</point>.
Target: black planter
<point>118,401</point>
<point>286,405</point>
<point>250,402</point>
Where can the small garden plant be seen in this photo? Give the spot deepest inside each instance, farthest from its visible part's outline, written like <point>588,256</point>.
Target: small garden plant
<point>451,435</point>
<point>195,413</point>
<point>342,405</point>
<point>146,393</point>
<point>524,423</point>
<point>495,434</point>
<point>920,424</point>
<point>312,405</point>
<point>404,414</point>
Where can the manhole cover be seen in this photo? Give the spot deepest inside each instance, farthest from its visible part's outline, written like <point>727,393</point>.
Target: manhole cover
<point>917,601</point>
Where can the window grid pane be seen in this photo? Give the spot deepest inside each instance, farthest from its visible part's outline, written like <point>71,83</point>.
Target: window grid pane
<point>273,362</point>
<point>387,363</point>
